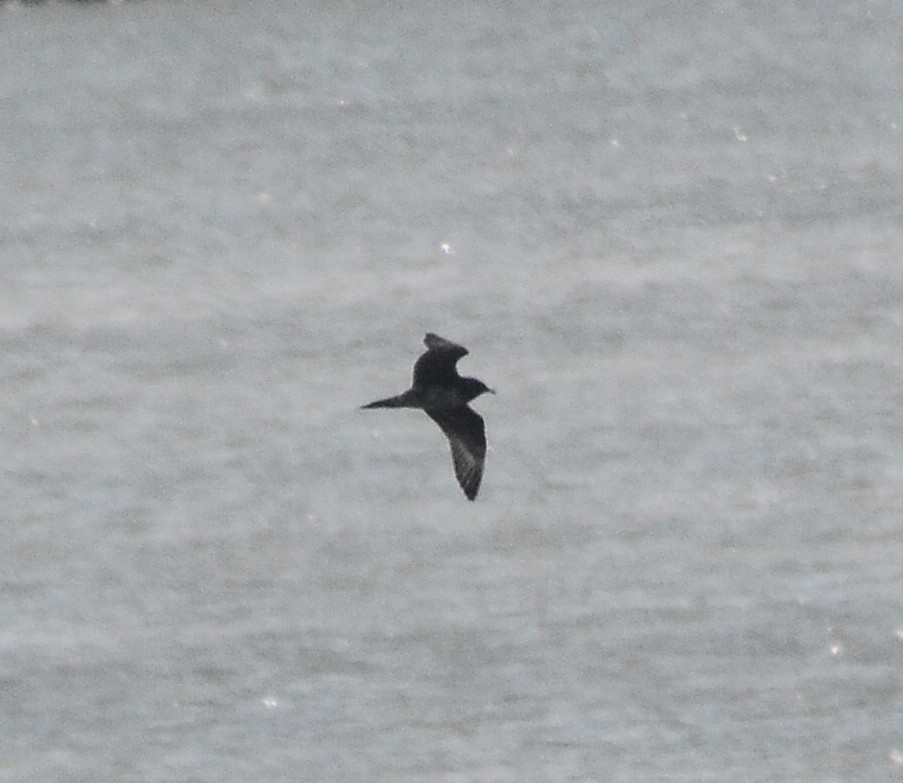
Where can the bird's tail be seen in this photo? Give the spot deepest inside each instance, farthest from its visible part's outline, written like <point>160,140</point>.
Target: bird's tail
<point>405,400</point>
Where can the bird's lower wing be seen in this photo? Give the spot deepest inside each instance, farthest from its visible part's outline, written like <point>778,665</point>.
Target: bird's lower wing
<point>467,437</point>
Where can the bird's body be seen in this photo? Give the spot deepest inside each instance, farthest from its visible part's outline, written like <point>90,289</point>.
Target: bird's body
<point>443,395</point>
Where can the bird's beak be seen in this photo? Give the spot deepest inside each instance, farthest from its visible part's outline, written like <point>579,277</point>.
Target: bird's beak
<point>491,391</point>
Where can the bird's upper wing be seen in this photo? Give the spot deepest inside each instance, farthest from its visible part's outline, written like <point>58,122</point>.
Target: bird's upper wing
<point>437,365</point>
<point>467,437</point>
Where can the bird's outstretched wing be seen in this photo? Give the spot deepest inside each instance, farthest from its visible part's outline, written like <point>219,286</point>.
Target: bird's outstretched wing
<point>437,365</point>
<point>467,437</point>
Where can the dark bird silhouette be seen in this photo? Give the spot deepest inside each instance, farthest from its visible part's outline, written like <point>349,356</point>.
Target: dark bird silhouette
<point>443,395</point>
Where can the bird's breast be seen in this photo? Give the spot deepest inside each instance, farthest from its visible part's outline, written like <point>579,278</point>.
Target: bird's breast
<point>441,397</point>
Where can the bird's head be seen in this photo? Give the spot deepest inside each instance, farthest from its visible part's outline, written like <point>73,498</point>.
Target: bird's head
<point>472,388</point>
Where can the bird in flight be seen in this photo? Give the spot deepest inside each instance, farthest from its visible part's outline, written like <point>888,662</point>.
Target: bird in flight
<point>443,395</point>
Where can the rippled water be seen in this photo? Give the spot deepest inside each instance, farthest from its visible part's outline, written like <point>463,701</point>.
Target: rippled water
<point>671,237</point>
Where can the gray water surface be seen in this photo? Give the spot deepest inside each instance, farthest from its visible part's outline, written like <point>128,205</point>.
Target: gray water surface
<point>671,236</point>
